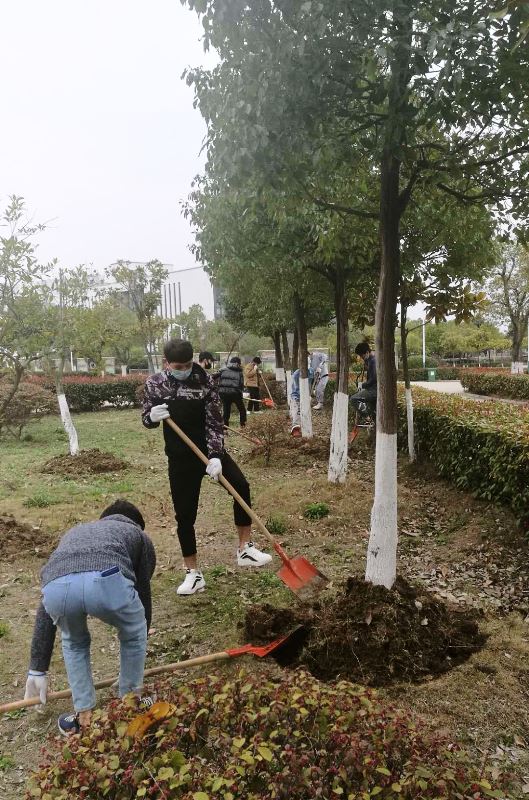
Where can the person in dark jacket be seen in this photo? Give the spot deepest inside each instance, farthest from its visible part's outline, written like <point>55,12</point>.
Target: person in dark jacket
<point>190,397</point>
<point>206,359</point>
<point>231,386</point>
<point>102,569</point>
<point>367,392</point>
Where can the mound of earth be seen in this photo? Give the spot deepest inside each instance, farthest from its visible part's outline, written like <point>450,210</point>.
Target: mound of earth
<point>87,461</point>
<point>371,635</point>
<point>17,538</point>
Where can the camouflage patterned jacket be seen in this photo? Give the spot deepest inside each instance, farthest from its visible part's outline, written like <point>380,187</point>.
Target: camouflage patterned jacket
<point>194,405</point>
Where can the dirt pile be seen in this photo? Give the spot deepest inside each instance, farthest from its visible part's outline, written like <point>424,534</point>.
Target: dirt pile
<point>87,462</point>
<point>374,636</point>
<point>17,538</point>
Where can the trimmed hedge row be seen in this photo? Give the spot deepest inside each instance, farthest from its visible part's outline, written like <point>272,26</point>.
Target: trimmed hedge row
<point>91,394</point>
<point>443,374</point>
<point>479,446</point>
<point>513,386</point>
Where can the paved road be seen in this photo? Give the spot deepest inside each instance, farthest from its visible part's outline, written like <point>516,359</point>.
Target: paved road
<point>447,387</point>
<point>455,387</point>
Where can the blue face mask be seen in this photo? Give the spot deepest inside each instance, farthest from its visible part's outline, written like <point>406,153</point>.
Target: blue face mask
<point>181,374</point>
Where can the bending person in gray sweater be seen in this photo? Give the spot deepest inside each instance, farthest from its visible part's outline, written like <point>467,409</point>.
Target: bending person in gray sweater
<point>101,569</point>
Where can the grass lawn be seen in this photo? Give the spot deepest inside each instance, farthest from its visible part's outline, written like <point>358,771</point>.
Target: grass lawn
<point>465,550</point>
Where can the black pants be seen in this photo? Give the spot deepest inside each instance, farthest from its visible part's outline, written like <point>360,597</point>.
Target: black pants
<point>227,400</point>
<point>185,477</point>
<point>254,394</point>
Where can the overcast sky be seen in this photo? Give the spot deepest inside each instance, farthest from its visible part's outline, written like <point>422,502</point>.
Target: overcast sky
<point>98,131</point>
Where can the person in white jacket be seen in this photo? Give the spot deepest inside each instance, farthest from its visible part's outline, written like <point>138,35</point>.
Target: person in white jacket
<point>320,365</point>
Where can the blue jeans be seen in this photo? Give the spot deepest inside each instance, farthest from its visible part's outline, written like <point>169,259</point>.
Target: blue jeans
<point>112,599</point>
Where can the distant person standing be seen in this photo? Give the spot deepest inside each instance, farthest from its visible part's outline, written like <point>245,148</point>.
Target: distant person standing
<point>206,359</point>
<point>231,385</point>
<point>320,366</point>
<point>251,384</point>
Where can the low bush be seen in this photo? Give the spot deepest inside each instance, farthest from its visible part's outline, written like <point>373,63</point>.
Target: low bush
<point>268,427</point>
<point>249,738</point>
<point>496,383</point>
<point>276,525</point>
<point>316,511</point>
<point>480,446</point>
<point>85,393</point>
<point>30,402</point>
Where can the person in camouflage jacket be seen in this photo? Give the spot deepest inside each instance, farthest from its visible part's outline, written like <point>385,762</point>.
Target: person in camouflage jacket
<point>187,394</point>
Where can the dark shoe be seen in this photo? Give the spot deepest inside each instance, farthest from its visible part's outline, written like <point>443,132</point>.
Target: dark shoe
<point>68,724</point>
<point>146,701</point>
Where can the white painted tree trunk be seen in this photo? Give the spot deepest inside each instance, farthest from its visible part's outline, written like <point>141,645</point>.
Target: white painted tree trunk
<point>337,471</point>
<point>288,376</point>
<point>381,568</point>
<point>69,427</point>
<point>124,370</point>
<point>280,374</point>
<point>306,414</point>
<point>411,430</point>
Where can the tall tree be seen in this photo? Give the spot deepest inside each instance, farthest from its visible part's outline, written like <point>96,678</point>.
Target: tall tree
<point>140,290</point>
<point>437,90</point>
<point>508,291</point>
<point>23,294</point>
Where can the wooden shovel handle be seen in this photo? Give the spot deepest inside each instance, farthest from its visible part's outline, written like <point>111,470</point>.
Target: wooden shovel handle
<point>174,667</point>
<point>234,493</point>
<point>266,387</point>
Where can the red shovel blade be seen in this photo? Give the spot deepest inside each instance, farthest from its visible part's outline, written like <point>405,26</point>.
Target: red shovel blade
<point>259,650</point>
<point>268,402</point>
<point>302,577</point>
<point>354,433</point>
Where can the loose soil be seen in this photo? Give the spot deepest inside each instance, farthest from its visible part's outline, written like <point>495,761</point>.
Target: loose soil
<point>17,539</point>
<point>88,461</point>
<point>374,636</point>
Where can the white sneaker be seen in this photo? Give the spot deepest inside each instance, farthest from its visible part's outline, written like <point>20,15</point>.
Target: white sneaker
<point>193,582</point>
<point>250,556</point>
<point>318,407</point>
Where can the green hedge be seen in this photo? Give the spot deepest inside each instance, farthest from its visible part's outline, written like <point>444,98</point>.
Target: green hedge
<point>480,446</point>
<point>91,394</point>
<point>499,384</point>
<point>442,373</point>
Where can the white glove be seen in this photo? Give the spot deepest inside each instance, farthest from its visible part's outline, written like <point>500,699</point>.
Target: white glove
<point>318,371</point>
<point>36,685</point>
<point>214,468</point>
<point>159,412</point>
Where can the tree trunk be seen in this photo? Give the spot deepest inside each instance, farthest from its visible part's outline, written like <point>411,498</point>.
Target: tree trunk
<point>280,370</point>
<point>66,418</point>
<point>337,471</point>
<point>295,350</point>
<point>288,367</point>
<point>517,338</point>
<point>381,567</point>
<point>304,391</point>
<point>19,372</point>
<point>407,384</point>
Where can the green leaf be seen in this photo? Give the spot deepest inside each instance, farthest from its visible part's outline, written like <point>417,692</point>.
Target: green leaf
<point>265,752</point>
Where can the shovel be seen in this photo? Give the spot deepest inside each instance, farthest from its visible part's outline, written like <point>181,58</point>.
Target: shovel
<point>292,640</point>
<point>244,435</point>
<point>302,577</point>
<point>270,403</point>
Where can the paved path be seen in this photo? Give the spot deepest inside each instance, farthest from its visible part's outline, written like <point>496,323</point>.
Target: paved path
<point>455,387</point>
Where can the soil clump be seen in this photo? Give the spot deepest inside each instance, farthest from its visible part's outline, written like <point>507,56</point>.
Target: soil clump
<point>92,461</point>
<point>18,538</point>
<point>372,635</point>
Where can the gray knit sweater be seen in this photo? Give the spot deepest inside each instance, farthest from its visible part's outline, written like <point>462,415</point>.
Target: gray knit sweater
<point>92,546</point>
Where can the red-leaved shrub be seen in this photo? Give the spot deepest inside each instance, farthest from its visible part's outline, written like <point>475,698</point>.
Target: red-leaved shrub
<point>249,738</point>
